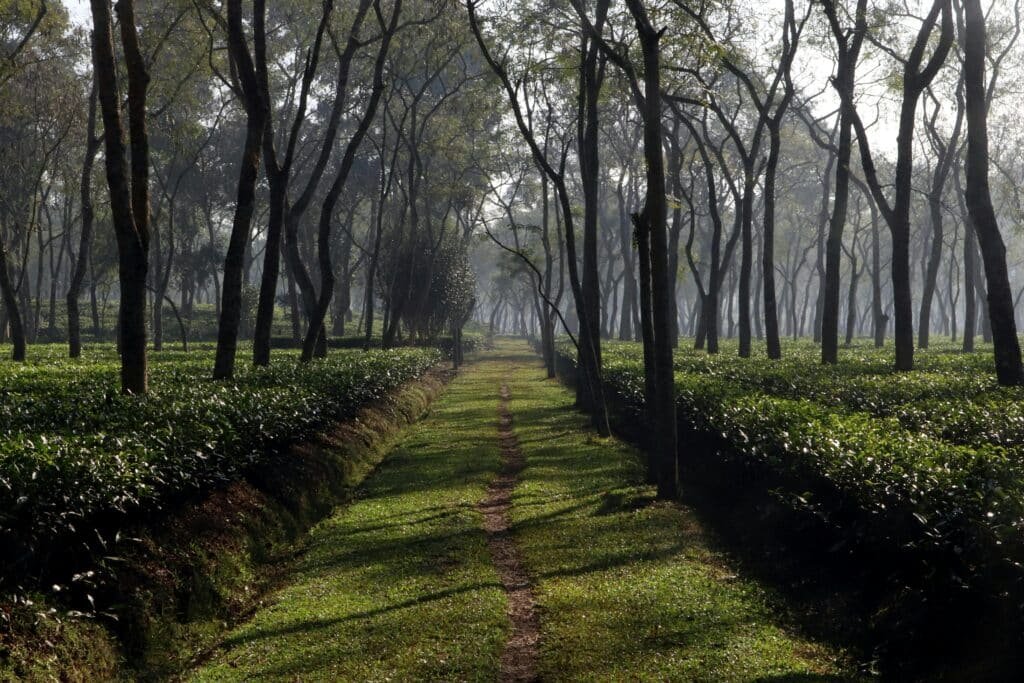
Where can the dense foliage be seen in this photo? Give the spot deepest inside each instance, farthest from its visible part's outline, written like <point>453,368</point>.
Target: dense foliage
<point>74,449</point>
<point>926,465</point>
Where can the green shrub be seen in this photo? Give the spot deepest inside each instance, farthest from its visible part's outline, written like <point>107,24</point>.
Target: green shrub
<point>75,453</point>
<point>926,464</point>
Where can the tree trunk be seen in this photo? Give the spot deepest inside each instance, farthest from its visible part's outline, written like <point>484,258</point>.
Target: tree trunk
<point>851,302</point>
<point>629,277</point>
<point>129,198</point>
<point>844,83</point>
<point>1009,369</point>
<point>92,147</point>
<point>315,332</point>
<point>11,309</point>
<point>897,214</point>
<point>771,315</point>
<point>655,216</point>
<point>257,111</point>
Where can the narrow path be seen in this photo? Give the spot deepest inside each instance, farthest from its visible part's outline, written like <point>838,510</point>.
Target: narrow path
<point>399,585</point>
<point>519,658</point>
<point>421,577</point>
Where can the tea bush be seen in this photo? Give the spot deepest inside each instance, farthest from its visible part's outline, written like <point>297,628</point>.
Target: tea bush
<point>74,450</point>
<point>929,464</point>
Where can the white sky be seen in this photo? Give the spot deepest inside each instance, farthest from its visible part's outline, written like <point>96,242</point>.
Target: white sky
<point>78,10</point>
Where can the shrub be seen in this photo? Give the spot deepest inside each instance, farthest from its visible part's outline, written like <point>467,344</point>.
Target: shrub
<point>75,453</point>
<point>926,464</point>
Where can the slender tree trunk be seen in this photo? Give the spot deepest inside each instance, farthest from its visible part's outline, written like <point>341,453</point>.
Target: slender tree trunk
<point>1009,369</point>
<point>655,216</point>
<point>129,196</point>
<point>746,259</point>
<point>943,165</point>
<point>629,277</point>
<point>589,305</point>
<point>257,112</point>
<point>11,309</point>
<point>271,272</point>
<point>844,83</point>
<point>319,312</point>
<point>851,302</point>
<point>771,316</point>
<point>879,319</point>
<point>917,75</point>
<point>92,147</point>
<point>824,222</point>
<point>970,296</point>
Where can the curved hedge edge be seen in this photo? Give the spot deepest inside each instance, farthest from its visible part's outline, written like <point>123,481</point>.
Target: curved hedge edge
<point>206,566</point>
<point>911,629</point>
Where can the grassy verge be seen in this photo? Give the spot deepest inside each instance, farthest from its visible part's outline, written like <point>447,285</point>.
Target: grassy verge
<point>631,589</point>
<point>908,487</point>
<point>181,580</point>
<point>399,584</point>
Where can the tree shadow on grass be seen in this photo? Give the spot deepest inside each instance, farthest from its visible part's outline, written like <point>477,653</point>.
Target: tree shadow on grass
<point>801,678</point>
<point>317,624</point>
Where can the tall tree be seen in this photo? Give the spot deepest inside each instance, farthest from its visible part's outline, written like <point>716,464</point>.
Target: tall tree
<point>848,44</point>
<point>257,111</point>
<point>918,74</point>
<point>327,278</point>
<point>654,222</point>
<point>279,171</point>
<point>946,152</point>
<point>129,193</point>
<point>978,195</point>
<point>589,339</point>
<point>92,147</point>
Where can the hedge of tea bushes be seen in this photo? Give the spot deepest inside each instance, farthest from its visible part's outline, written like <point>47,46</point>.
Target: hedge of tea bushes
<point>928,465</point>
<point>74,450</point>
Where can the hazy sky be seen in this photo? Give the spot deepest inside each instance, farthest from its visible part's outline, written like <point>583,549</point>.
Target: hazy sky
<point>78,9</point>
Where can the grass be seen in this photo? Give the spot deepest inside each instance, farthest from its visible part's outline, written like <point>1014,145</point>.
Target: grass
<point>899,496</point>
<point>399,585</point>
<point>631,589</point>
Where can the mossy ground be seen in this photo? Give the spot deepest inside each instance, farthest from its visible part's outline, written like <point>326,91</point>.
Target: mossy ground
<point>399,585</point>
<point>631,588</point>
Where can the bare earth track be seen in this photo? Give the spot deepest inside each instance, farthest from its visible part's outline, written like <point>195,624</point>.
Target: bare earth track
<point>519,658</point>
<point>400,584</point>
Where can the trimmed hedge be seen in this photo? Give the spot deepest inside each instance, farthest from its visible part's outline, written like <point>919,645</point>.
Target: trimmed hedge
<point>926,465</point>
<point>76,455</point>
<point>471,343</point>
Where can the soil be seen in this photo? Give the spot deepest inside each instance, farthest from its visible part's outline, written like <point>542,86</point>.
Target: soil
<point>519,658</point>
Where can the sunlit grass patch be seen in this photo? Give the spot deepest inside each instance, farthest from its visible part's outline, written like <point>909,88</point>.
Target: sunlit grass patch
<point>629,588</point>
<point>398,585</point>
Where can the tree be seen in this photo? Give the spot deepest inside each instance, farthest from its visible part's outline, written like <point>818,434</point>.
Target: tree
<point>590,386</point>
<point>129,194</point>
<point>327,281</point>
<point>654,219</point>
<point>848,46</point>
<point>257,110</point>
<point>1009,370</point>
<point>92,147</point>
<point>279,172</point>
<point>918,74</point>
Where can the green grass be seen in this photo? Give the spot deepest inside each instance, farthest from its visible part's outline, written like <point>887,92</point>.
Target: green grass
<point>629,588</point>
<point>400,586</point>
